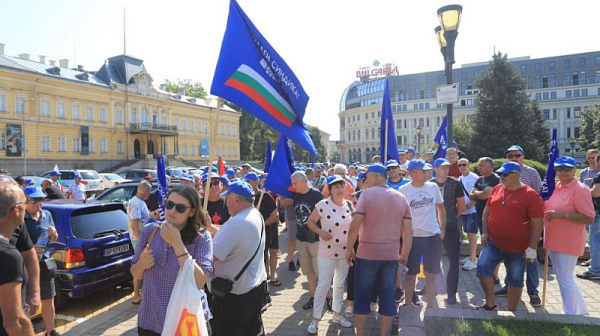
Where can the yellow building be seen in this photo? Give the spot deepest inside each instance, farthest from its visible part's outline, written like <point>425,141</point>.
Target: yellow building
<point>101,119</point>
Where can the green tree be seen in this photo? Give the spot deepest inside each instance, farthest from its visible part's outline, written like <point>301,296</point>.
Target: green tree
<point>589,134</point>
<point>192,89</point>
<point>463,135</point>
<point>505,115</point>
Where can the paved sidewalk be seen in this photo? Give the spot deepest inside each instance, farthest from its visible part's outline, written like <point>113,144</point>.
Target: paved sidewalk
<point>287,318</point>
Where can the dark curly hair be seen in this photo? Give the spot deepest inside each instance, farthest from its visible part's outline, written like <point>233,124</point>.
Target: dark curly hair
<point>195,225</point>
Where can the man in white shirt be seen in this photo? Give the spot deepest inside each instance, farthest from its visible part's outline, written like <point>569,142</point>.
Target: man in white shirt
<point>77,190</point>
<point>469,216</point>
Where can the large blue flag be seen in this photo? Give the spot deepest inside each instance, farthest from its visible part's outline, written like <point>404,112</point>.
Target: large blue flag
<point>279,179</point>
<point>391,152</point>
<point>163,187</point>
<point>549,183</point>
<point>268,157</point>
<point>251,74</point>
<point>442,139</point>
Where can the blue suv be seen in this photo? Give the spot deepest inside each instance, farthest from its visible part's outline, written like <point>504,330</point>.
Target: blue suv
<point>93,250</point>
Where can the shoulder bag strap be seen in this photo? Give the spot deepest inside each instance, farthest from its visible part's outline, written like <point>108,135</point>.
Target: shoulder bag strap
<point>463,186</point>
<point>255,252</point>
<point>152,234</point>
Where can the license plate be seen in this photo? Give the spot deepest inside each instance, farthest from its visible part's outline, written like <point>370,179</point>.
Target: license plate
<point>116,250</point>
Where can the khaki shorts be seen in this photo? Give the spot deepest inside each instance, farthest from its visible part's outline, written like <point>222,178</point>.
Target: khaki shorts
<point>308,257</point>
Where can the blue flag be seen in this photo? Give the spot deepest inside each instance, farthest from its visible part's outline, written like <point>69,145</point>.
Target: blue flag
<point>279,179</point>
<point>548,184</point>
<point>163,187</point>
<point>251,74</point>
<point>268,157</point>
<point>442,139</point>
<point>391,152</point>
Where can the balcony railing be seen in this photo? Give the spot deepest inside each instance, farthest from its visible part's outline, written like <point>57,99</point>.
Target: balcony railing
<point>150,127</point>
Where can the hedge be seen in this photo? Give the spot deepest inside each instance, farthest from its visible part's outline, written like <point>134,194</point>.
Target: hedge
<point>540,167</point>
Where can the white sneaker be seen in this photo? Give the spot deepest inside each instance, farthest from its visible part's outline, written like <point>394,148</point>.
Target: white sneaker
<point>312,327</point>
<point>469,265</point>
<point>463,261</point>
<point>341,321</point>
<point>374,307</point>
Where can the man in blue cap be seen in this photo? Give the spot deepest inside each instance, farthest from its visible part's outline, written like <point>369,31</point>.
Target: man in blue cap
<point>77,189</point>
<point>512,226</point>
<point>55,177</point>
<point>217,207</point>
<point>429,226</point>
<point>429,156</point>
<point>241,240</point>
<point>403,163</point>
<point>187,180</point>
<point>394,179</point>
<point>230,173</point>
<point>246,168</point>
<point>410,154</point>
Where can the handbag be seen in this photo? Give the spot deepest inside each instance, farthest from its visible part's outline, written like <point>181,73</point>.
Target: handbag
<point>222,286</point>
<point>48,269</point>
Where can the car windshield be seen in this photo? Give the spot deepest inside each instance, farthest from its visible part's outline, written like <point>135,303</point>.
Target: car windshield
<point>89,175</point>
<point>88,222</point>
<point>177,172</point>
<point>113,177</point>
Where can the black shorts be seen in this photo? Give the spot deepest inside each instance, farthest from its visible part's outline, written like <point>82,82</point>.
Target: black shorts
<point>272,236</point>
<point>428,248</point>
<point>47,289</point>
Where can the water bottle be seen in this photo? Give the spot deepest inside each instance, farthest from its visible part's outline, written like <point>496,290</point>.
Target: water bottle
<point>403,269</point>
<point>43,239</point>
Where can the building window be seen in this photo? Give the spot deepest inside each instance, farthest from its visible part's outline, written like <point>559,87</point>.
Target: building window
<point>46,144</point>
<point>163,121</point>
<point>575,78</point>
<point>426,106</point>
<point>119,117</point>
<point>583,77</point>
<point>552,80</point>
<point>538,96</point>
<point>191,150</point>
<point>76,145</point>
<point>222,130</point>
<point>2,141</point>
<point>2,102</point>
<point>554,114</point>
<point>119,146</point>
<point>547,114</point>
<point>567,64</point>
<point>568,132</point>
<point>523,69</point>
<point>568,78</point>
<point>76,112</point>
<point>576,93</point>
<point>185,149</point>
<point>92,145</point>
<point>89,113</point>
<point>584,92</point>
<point>597,60</point>
<point>184,125</point>
<point>45,106</point>
<point>577,129</point>
<point>568,94</point>
<point>551,65</point>
<point>577,111</point>
<point>553,95</point>
<point>537,67</point>
<point>103,146</point>
<point>463,75</point>
<point>415,106</point>
<point>582,61</point>
<point>206,127</point>
<point>545,96</point>
<point>20,105</point>
<point>60,110</point>
<point>568,113</point>
<point>62,144</point>
<point>538,82</point>
<point>544,81</point>
<point>134,118</point>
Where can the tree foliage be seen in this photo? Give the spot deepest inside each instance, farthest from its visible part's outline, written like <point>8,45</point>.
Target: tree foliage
<point>505,116</point>
<point>189,88</point>
<point>589,134</point>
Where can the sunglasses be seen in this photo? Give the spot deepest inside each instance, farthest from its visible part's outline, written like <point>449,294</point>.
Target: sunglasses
<point>181,208</point>
<point>35,200</point>
<point>402,174</point>
<point>462,165</point>
<point>505,175</point>
<point>563,169</point>
<point>510,156</point>
<point>215,183</point>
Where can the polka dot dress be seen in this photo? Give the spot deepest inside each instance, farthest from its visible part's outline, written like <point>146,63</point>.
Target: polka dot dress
<point>335,220</point>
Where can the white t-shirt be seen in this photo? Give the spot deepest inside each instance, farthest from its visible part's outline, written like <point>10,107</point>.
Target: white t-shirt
<point>422,202</point>
<point>468,183</point>
<point>234,245</point>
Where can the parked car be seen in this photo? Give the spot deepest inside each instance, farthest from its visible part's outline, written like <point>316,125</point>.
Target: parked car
<point>5,178</point>
<point>94,184</point>
<point>174,172</point>
<point>140,174</point>
<point>111,180</point>
<point>125,191</point>
<point>93,250</point>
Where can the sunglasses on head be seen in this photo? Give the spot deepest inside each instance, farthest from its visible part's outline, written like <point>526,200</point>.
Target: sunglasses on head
<point>510,156</point>
<point>35,200</point>
<point>181,208</point>
<point>563,169</point>
<point>462,165</point>
<point>505,175</point>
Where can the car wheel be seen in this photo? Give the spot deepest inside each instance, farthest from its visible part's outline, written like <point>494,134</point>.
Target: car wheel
<point>61,297</point>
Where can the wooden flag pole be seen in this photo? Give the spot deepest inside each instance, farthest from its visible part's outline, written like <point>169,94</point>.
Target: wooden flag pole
<point>211,155</point>
<point>262,194</point>
<point>384,159</point>
<point>545,281</point>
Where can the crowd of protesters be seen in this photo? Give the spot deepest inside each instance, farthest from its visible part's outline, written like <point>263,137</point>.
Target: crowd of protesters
<point>364,229</point>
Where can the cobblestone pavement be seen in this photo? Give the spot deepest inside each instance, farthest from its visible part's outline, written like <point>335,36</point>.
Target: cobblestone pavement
<point>287,318</point>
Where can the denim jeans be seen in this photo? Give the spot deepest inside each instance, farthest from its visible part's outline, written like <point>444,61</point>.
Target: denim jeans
<point>369,276</point>
<point>491,256</point>
<point>594,242</point>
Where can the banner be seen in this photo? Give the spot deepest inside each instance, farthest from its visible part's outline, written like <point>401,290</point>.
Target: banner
<point>268,157</point>
<point>548,183</point>
<point>85,140</point>
<point>252,75</point>
<point>13,140</point>
<point>279,179</point>
<point>163,187</point>
<point>204,148</point>
<point>391,152</point>
<point>442,139</point>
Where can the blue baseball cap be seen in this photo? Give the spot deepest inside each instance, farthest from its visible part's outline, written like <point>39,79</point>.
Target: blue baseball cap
<point>377,168</point>
<point>239,187</point>
<point>29,182</point>
<point>251,176</point>
<point>333,179</point>
<point>187,177</point>
<point>246,165</point>
<point>508,167</point>
<point>401,152</point>
<point>514,148</point>
<point>34,192</point>
<point>214,170</point>
<point>55,173</point>
<point>230,172</point>
<point>429,151</point>
<point>77,175</point>
<point>440,162</point>
<point>225,181</point>
<point>418,164</point>
<point>212,175</point>
<point>410,150</point>
<point>391,163</point>
<point>565,161</point>
<point>454,144</point>
<point>361,176</point>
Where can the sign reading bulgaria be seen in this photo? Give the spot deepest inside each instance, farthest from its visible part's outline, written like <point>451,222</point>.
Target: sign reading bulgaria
<point>447,94</point>
<point>382,71</point>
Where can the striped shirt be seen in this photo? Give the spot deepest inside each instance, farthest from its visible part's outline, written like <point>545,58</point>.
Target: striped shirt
<point>531,177</point>
<point>160,279</point>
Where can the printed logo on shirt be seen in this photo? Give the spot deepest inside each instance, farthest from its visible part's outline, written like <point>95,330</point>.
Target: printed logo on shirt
<point>302,213</point>
<point>421,200</point>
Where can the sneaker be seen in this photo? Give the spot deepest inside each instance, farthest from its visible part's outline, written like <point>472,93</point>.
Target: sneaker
<point>421,292</point>
<point>469,265</point>
<point>496,280</point>
<point>451,301</point>
<point>416,301</point>
<point>486,308</point>
<point>374,307</point>
<point>341,321</point>
<point>502,291</point>
<point>398,295</point>
<point>291,266</point>
<point>463,261</point>
<point>308,304</point>
<point>349,312</point>
<point>534,300</point>
<point>313,327</point>
<point>329,302</point>
<point>587,275</point>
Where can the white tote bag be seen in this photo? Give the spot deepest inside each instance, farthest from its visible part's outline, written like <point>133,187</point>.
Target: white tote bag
<point>184,312</point>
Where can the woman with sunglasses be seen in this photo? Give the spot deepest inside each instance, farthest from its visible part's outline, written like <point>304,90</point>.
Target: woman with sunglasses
<point>182,236</point>
<point>566,213</point>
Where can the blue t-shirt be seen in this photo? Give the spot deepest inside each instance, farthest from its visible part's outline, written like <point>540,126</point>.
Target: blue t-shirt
<point>34,228</point>
<point>397,184</point>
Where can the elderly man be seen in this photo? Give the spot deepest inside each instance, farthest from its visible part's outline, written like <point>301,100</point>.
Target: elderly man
<point>217,206</point>
<point>319,180</point>
<point>429,227</point>
<point>469,216</point>
<point>55,177</point>
<point>512,226</point>
<point>13,278</point>
<point>51,190</point>
<point>593,271</point>
<point>187,180</point>
<point>340,169</point>
<point>77,189</point>
<point>586,176</point>
<point>452,157</point>
<point>395,181</point>
<point>240,241</point>
<point>381,218</point>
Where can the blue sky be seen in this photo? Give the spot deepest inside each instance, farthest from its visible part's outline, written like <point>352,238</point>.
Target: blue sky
<point>324,42</point>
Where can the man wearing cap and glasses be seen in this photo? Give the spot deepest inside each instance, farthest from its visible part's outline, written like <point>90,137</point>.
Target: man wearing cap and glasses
<point>395,180</point>
<point>469,216</point>
<point>77,189</point>
<point>586,176</point>
<point>55,177</point>
<point>512,226</point>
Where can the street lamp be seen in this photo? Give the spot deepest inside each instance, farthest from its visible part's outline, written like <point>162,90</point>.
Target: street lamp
<point>446,34</point>
<point>572,142</point>
<point>419,131</point>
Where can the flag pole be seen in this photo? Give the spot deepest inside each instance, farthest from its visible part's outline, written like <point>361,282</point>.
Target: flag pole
<point>545,280</point>
<point>262,193</point>
<point>211,155</point>
<point>384,159</point>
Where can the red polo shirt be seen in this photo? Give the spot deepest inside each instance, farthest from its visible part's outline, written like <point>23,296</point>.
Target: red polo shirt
<point>454,171</point>
<point>509,225</point>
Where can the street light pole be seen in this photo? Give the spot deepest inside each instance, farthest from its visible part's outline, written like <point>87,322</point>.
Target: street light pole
<point>419,131</point>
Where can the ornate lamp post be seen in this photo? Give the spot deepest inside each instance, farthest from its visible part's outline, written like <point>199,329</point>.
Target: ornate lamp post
<point>419,131</point>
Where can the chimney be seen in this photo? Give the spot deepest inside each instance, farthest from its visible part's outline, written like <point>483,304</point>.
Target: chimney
<point>2,48</point>
<point>64,63</point>
<point>24,56</point>
<point>52,62</point>
<point>42,59</point>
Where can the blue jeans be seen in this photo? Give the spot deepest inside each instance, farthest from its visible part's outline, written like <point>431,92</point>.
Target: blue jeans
<point>375,275</point>
<point>491,256</point>
<point>594,242</point>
